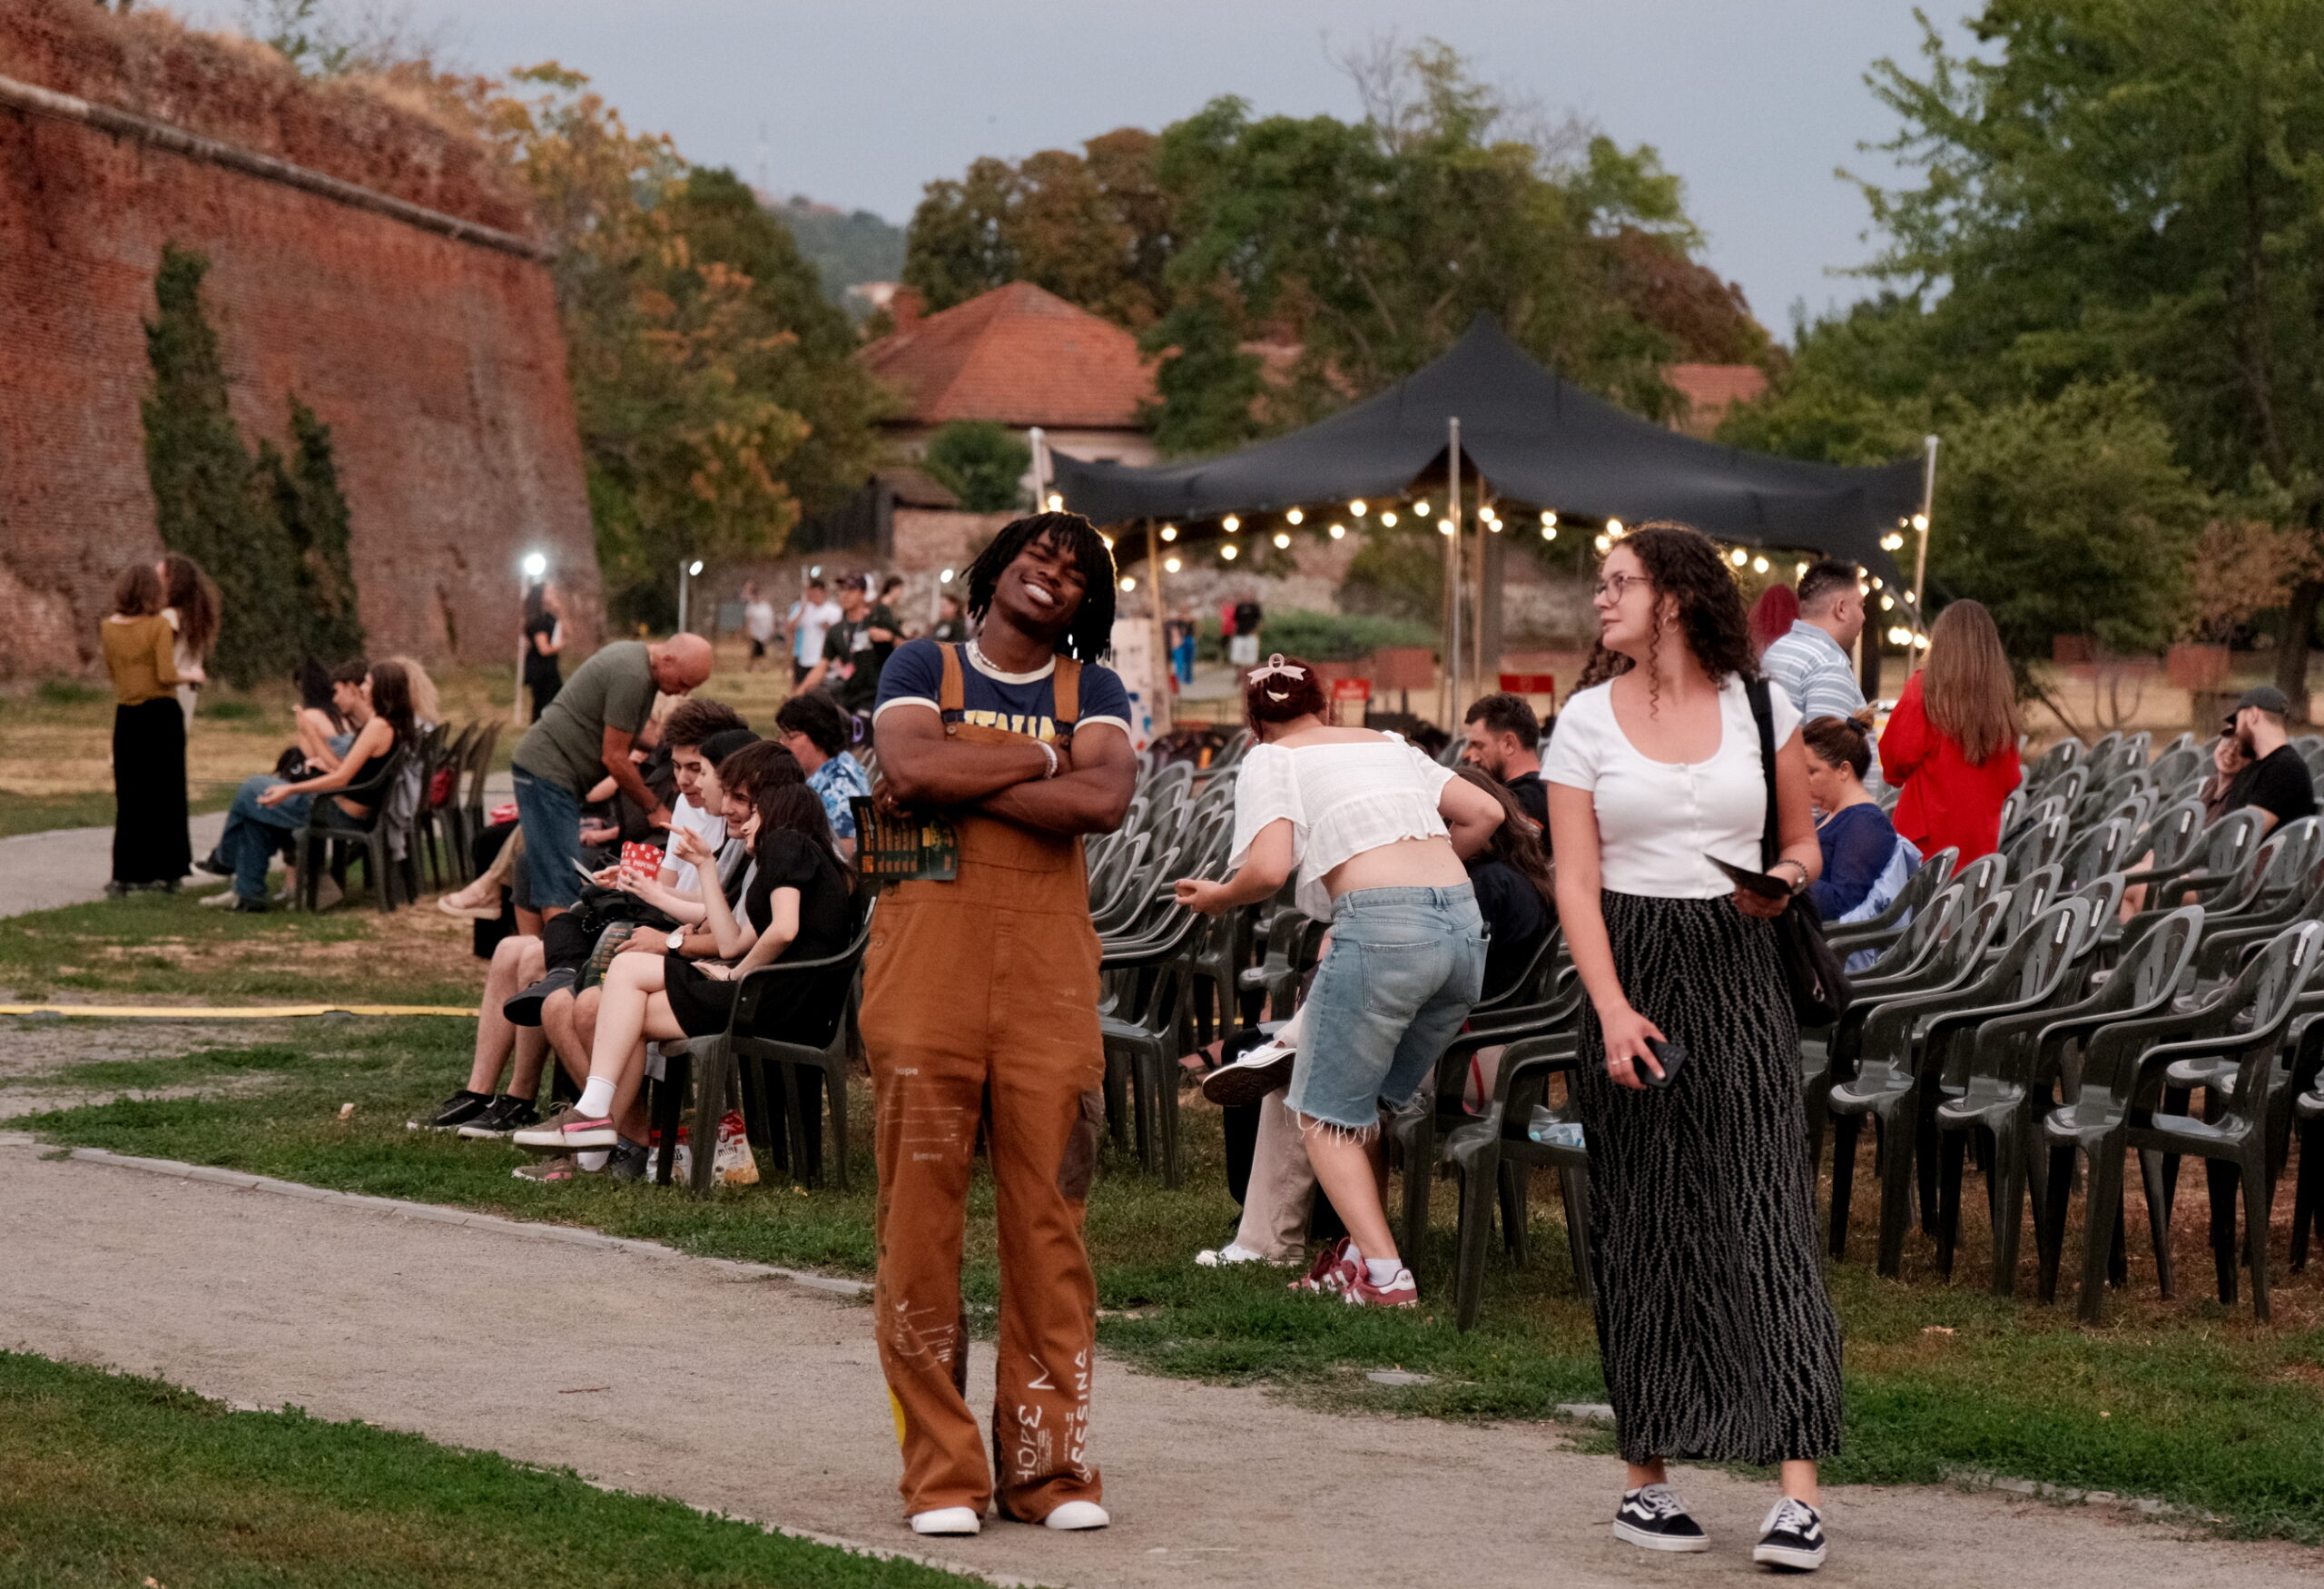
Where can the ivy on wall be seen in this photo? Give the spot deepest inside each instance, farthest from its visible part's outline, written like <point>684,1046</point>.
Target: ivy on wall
<point>272,532</point>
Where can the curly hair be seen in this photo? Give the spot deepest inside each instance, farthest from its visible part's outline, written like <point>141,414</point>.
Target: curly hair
<point>1682,563</point>
<point>1091,633</point>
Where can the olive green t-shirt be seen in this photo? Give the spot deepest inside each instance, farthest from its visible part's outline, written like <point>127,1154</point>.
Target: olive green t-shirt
<point>613,689</point>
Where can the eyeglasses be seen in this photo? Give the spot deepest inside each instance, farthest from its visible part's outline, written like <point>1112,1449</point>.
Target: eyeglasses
<point>1616,586</point>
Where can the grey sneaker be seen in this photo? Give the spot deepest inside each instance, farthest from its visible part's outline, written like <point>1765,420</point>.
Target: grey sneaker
<point>566,1131</point>
<point>561,1168</point>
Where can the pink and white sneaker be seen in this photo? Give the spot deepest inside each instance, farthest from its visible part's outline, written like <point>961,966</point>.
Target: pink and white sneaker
<point>1335,1268</point>
<point>567,1131</point>
<point>1403,1291</point>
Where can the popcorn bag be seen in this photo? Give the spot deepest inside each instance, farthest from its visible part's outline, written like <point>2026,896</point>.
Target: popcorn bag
<point>641,860</point>
<point>733,1164</point>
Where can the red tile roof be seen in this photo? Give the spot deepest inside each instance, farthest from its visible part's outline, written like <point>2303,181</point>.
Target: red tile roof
<point>1019,356</point>
<point>1711,390</point>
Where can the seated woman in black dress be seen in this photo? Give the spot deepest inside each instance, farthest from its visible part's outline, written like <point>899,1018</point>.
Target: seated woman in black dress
<point>796,909</point>
<point>1515,889</point>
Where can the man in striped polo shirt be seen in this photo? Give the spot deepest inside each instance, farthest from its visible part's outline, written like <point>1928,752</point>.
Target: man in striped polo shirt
<point>1811,663</point>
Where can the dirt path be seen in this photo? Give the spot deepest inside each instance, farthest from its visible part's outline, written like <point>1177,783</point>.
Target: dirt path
<point>763,1398</point>
<point>68,866</point>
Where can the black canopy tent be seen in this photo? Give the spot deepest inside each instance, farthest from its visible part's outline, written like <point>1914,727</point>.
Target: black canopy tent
<point>1535,439</point>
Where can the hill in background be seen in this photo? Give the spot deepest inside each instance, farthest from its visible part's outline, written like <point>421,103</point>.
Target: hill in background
<point>846,246</point>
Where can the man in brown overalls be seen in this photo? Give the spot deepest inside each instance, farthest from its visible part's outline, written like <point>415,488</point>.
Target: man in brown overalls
<point>981,1005</point>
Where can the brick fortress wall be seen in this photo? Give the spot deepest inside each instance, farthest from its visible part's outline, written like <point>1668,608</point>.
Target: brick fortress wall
<point>437,363</point>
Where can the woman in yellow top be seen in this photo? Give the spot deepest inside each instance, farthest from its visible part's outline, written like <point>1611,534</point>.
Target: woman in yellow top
<point>151,845</point>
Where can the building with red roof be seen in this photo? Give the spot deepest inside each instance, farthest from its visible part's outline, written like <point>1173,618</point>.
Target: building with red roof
<point>1709,390</point>
<point>1018,356</point>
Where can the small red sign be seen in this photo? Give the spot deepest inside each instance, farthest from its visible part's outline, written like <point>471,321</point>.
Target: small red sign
<point>1351,689</point>
<point>1530,683</point>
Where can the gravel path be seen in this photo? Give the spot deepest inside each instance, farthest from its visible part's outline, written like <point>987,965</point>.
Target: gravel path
<point>759,1397</point>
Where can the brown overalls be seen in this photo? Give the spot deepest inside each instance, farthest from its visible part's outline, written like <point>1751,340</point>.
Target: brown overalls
<point>980,1002</point>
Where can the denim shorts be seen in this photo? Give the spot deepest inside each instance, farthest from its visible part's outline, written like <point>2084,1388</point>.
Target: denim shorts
<point>551,816</point>
<point>1404,966</point>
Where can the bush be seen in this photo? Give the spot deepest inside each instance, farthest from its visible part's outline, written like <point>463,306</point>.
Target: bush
<point>981,463</point>
<point>69,691</point>
<point>1320,637</point>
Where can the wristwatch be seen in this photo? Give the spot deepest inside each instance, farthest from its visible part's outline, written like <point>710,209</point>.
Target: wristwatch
<point>677,940</point>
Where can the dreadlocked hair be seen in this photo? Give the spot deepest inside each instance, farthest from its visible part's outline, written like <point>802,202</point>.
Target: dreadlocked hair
<point>1091,633</point>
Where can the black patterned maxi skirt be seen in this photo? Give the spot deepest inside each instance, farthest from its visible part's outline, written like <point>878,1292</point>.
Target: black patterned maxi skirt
<point>1719,1338</point>
<point>150,842</point>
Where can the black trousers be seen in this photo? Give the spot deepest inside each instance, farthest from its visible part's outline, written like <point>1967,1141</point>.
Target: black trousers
<point>150,842</point>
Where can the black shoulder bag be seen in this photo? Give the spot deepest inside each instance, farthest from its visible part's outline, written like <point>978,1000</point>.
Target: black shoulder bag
<point>1811,972</point>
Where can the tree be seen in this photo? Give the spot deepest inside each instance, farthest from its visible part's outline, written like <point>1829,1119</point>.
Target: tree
<point>712,381</point>
<point>1094,227</point>
<point>1371,246</point>
<point>313,514</point>
<point>2068,517</point>
<point>2131,186</point>
<point>981,463</point>
<point>209,501</point>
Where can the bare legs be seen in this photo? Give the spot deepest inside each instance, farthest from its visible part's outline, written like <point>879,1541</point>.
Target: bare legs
<point>1798,1478</point>
<point>632,1007</point>
<point>1351,1171</point>
<point>516,962</point>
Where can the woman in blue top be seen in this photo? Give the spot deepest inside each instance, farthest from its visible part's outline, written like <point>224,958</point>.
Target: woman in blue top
<point>1866,864</point>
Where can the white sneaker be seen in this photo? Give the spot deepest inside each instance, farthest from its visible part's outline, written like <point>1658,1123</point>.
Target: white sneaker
<point>947,1520</point>
<point>1251,1077</point>
<point>223,899</point>
<point>1219,1258</point>
<point>1076,1514</point>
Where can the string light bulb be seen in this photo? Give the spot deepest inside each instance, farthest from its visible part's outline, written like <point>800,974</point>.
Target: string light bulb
<point>1388,518</point>
<point>1281,538</point>
<point>1420,510</point>
<point>1920,522</point>
<point>1339,532</point>
<point>1604,541</point>
<point>1056,503</point>
<point>1230,524</point>
<point>1171,564</point>
<point>1759,565</point>
<point>1296,516</point>
<point>1128,582</point>
<point>1888,604</point>
<point>1614,528</point>
<point>1107,538</point>
<point>1738,557</point>
<point>1169,532</point>
<point>1444,526</point>
<point>1228,551</point>
<point>1549,519</point>
<point>1357,507</point>
<point>1548,532</point>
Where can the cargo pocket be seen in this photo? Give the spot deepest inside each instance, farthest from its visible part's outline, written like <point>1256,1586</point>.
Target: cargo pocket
<point>1078,1167</point>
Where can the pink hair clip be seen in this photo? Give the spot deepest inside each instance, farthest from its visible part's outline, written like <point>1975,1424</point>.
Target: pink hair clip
<point>1277,664</point>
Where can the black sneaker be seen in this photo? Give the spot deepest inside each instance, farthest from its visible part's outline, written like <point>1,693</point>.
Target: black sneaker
<point>524,1009</point>
<point>1654,1518</point>
<point>215,865</point>
<point>629,1160</point>
<point>454,1111</point>
<point>502,1115</point>
<point>1793,1537</point>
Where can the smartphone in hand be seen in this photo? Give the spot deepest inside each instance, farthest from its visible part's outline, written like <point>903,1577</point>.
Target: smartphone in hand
<point>1668,1054</point>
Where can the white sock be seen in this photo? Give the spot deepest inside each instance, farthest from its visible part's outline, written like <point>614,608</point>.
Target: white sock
<point>593,1159</point>
<point>596,1098</point>
<point>1381,1270</point>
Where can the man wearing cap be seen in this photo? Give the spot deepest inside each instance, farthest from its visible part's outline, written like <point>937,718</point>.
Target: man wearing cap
<point>2277,782</point>
<point>855,649</point>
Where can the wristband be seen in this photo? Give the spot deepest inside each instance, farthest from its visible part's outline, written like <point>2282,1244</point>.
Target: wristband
<point>1049,751</point>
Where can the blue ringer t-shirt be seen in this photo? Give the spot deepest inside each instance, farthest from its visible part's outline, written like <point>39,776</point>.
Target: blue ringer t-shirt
<point>1021,703</point>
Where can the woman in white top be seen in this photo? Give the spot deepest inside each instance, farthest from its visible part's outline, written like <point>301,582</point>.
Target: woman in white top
<point>1719,1341</point>
<point>1377,833</point>
<point>190,603</point>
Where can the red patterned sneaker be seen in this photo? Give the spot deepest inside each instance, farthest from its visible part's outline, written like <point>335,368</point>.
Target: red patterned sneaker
<point>1336,1266</point>
<point>1403,1291</point>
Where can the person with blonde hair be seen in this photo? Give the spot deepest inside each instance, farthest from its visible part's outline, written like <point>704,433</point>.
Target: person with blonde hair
<point>1951,744</point>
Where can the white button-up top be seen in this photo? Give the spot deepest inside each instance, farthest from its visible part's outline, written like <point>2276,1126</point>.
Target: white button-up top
<point>1657,820</point>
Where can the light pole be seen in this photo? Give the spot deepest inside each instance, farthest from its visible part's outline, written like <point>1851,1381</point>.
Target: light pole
<point>688,567</point>
<point>535,569</point>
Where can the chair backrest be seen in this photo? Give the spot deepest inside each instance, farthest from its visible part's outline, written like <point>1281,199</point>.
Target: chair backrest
<point>2233,840</point>
<point>2177,767</point>
<point>2301,844</point>
<point>2158,963</point>
<point>811,1022</point>
<point>2104,894</point>
<point>2038,846</point>
<point>2013,808</point>
<point>2054,762</point>
<point>2094,853</point>
<point>1983,878</point>
<point>2169,834</point>
<point>2028,896</point>
<point>1929,925</point>
<point>2039,955</point>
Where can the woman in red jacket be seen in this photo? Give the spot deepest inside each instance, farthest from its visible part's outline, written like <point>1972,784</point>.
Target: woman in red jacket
<point>1951,744</point>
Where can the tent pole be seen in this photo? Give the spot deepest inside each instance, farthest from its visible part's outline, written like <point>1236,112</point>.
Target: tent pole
<point>1040,470</point>
<point>1452,637</point>
<point>1920,557</point>
<point>1484,626</point>
<point>1162,671</point>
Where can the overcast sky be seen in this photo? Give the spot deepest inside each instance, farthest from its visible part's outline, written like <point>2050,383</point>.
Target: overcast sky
<point>1753,103</point>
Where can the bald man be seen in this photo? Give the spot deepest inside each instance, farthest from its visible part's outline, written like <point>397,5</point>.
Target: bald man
<point>585,736</point>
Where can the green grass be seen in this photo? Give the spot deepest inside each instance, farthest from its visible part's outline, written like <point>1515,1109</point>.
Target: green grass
<point>2184,1401</point>
<point>154,946</point>
<point>37,813</point>
<point>111,1480</point>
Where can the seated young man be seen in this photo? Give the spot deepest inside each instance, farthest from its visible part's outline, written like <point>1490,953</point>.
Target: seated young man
<point>520,962</point>
<point>814,729</point>
<point>743,923</point>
